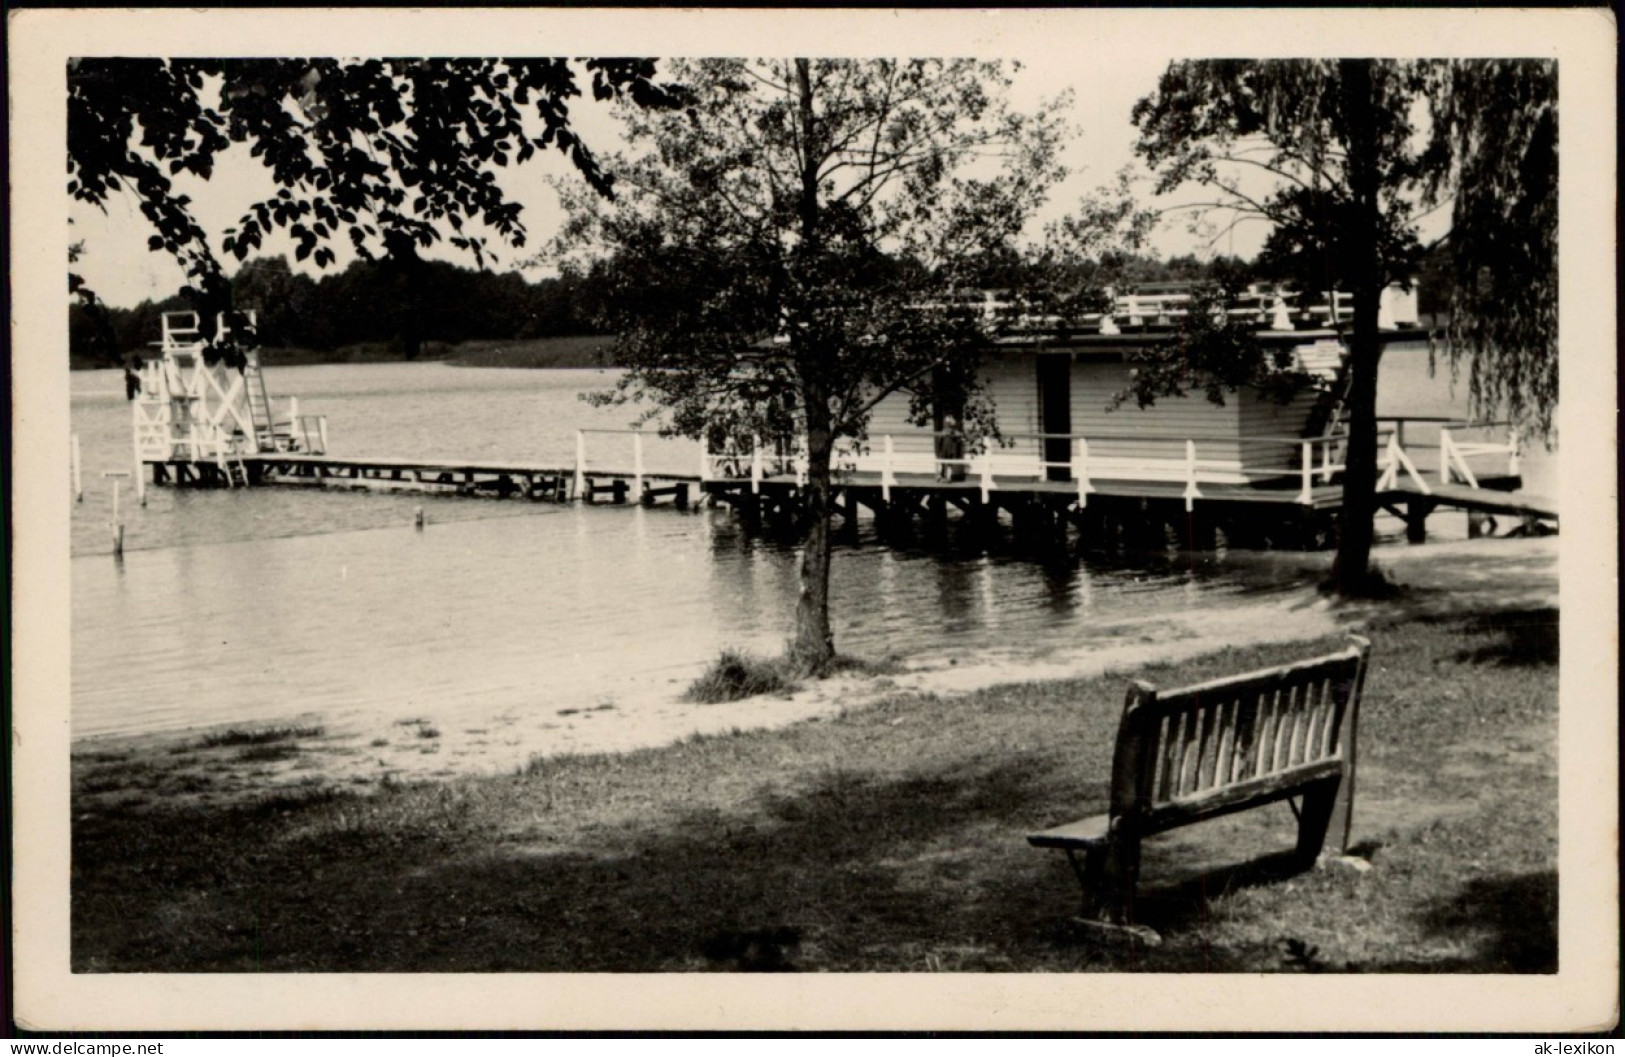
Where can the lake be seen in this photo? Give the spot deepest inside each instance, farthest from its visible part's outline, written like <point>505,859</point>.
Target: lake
<point>534,627</point>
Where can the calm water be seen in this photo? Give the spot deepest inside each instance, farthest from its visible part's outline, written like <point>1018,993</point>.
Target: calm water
<point>262,604</point>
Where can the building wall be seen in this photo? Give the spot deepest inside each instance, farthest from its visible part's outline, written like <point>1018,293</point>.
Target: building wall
<point>1011,385</point>
<point>1245,431</point>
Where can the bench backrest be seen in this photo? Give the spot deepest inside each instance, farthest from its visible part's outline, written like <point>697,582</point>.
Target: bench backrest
<point>1202,750</point>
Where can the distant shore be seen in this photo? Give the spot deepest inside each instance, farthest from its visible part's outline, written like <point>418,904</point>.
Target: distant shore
<point>572,351</point>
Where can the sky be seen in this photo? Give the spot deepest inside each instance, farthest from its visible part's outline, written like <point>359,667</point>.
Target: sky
<point>120,268</point>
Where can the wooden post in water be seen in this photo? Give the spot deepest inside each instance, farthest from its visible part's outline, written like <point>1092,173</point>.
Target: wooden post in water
<point>118,522</point>
<point>78,483</point>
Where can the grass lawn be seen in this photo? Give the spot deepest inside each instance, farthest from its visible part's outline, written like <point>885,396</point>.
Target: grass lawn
<point>886,838</point>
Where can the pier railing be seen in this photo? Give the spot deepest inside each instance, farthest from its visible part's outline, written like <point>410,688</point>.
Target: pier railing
<point>1454,454</point>
<point>903,460</point>
<point>1450,450</point>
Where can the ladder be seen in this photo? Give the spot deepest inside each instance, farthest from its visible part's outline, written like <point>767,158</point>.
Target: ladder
<point>259,403</point>
<point>232,468</point>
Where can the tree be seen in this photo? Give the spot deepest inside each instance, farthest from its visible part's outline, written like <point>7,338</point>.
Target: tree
<point>1348,150</point>
<point>789,250</point>
<point>386,152</point>
<point>1495,152</point>
<point>1336,165</point>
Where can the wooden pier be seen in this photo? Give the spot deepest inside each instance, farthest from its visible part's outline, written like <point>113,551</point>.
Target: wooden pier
<point>1294,510</point>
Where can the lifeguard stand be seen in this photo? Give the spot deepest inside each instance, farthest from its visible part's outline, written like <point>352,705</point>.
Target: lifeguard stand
<point>201,420</point>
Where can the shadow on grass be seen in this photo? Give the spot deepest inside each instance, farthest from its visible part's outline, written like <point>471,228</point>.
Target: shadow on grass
<point>1516,915</point>
<point>1528,638</point>
<point>846,869</point>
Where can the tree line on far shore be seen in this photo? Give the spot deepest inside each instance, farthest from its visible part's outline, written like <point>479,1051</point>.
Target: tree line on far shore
<point>369,303</point>
<point>399,314</point>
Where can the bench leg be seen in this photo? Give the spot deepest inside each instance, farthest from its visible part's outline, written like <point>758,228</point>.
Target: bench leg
<point>1315,818</point>
<point>1107,875</point>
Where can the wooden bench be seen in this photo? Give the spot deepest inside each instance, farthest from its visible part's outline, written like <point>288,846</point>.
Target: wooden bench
<point>1207,750</point>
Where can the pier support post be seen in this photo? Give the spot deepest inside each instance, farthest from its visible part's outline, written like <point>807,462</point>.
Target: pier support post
<point>1200,534</point>
<point>937,513</point>
<point>1416,520</point>
<point>78,483</point>
<point>637,463</point>
<point>1479,524</point>
<point>581,466</point>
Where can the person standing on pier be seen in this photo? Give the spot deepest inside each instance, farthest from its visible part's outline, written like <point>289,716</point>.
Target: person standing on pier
<point>132,378</point>
<point>950,450</point>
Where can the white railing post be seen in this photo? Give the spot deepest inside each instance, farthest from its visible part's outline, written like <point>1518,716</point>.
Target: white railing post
<point>987,474</point>
<point>1513,440</point>
<point>1450,452</point>
<point>321,430</point>
<point>1397,459</point>
<point>1307,472</point>
<point>1080,470</point>
<point>755,466</point>
<point>637,464</point>
<point>78,482</point>
<point>705,459</point>
<point>800,462</point>
<point>580,486</point>
<point>887,475</point>
<point>1191,493</point>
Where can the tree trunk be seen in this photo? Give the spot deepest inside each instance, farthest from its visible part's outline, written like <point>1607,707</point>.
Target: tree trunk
<point>1351,571</point>
<point>814,643</point>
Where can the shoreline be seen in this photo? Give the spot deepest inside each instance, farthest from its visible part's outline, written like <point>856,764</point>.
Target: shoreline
<point>882,836</point>
<point>226,765</point>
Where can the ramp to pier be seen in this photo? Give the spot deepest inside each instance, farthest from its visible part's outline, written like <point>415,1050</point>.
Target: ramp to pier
<point>1485,500</point>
